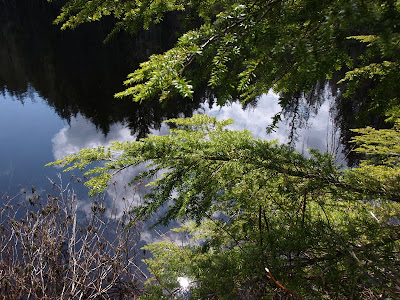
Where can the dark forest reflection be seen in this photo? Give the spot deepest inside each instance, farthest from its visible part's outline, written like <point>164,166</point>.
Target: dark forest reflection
<point>75,72</point>
<point>346,112</point>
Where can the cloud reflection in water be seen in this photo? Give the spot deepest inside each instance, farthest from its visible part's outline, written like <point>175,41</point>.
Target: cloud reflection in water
<point>81,133</point>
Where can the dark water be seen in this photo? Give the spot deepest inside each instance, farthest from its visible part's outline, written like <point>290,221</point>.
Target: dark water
<point>56,97</point>
<point>51,79</point>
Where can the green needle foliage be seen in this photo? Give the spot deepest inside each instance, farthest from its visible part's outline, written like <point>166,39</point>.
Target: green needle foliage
<point>242,49</point>
<point>249,204</point>
<point>321,231</point>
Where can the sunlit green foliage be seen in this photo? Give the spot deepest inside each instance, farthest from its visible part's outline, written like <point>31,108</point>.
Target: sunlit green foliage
<point>131,15</point>
<point>322,231</point>
<point>242,49</point>
<point>250,204</point>
<point>381,167</point>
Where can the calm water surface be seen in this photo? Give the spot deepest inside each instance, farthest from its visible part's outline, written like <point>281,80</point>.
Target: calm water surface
<point>27,127</point>
<point>32,134</point>
<point>56,98</point>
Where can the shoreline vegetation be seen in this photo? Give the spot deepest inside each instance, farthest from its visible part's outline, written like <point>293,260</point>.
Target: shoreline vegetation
<point>259,225</point>
<point>249,204</point>
<point>264,221</point>
<point>51,249</point>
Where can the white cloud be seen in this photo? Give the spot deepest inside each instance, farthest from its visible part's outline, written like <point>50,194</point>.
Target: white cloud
<point>81,133</point>
<point>254,119</point>
<point>166,234</point>
<point>319,133</point>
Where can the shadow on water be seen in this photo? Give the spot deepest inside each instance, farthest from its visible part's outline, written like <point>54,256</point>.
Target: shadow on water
<point>77,75</point>
<point>75,72</point>
<point>345,113</point>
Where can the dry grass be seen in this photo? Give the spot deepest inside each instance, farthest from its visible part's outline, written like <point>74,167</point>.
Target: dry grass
<point>47,252</point>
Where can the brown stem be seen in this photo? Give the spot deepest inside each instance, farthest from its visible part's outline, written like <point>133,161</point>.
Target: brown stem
<point>266,221</point>
<point>270,276</point>
<point>304,207</point>
<point>260,226</point>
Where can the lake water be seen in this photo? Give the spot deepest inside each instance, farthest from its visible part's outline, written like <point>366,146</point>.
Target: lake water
<point>56,98</point>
